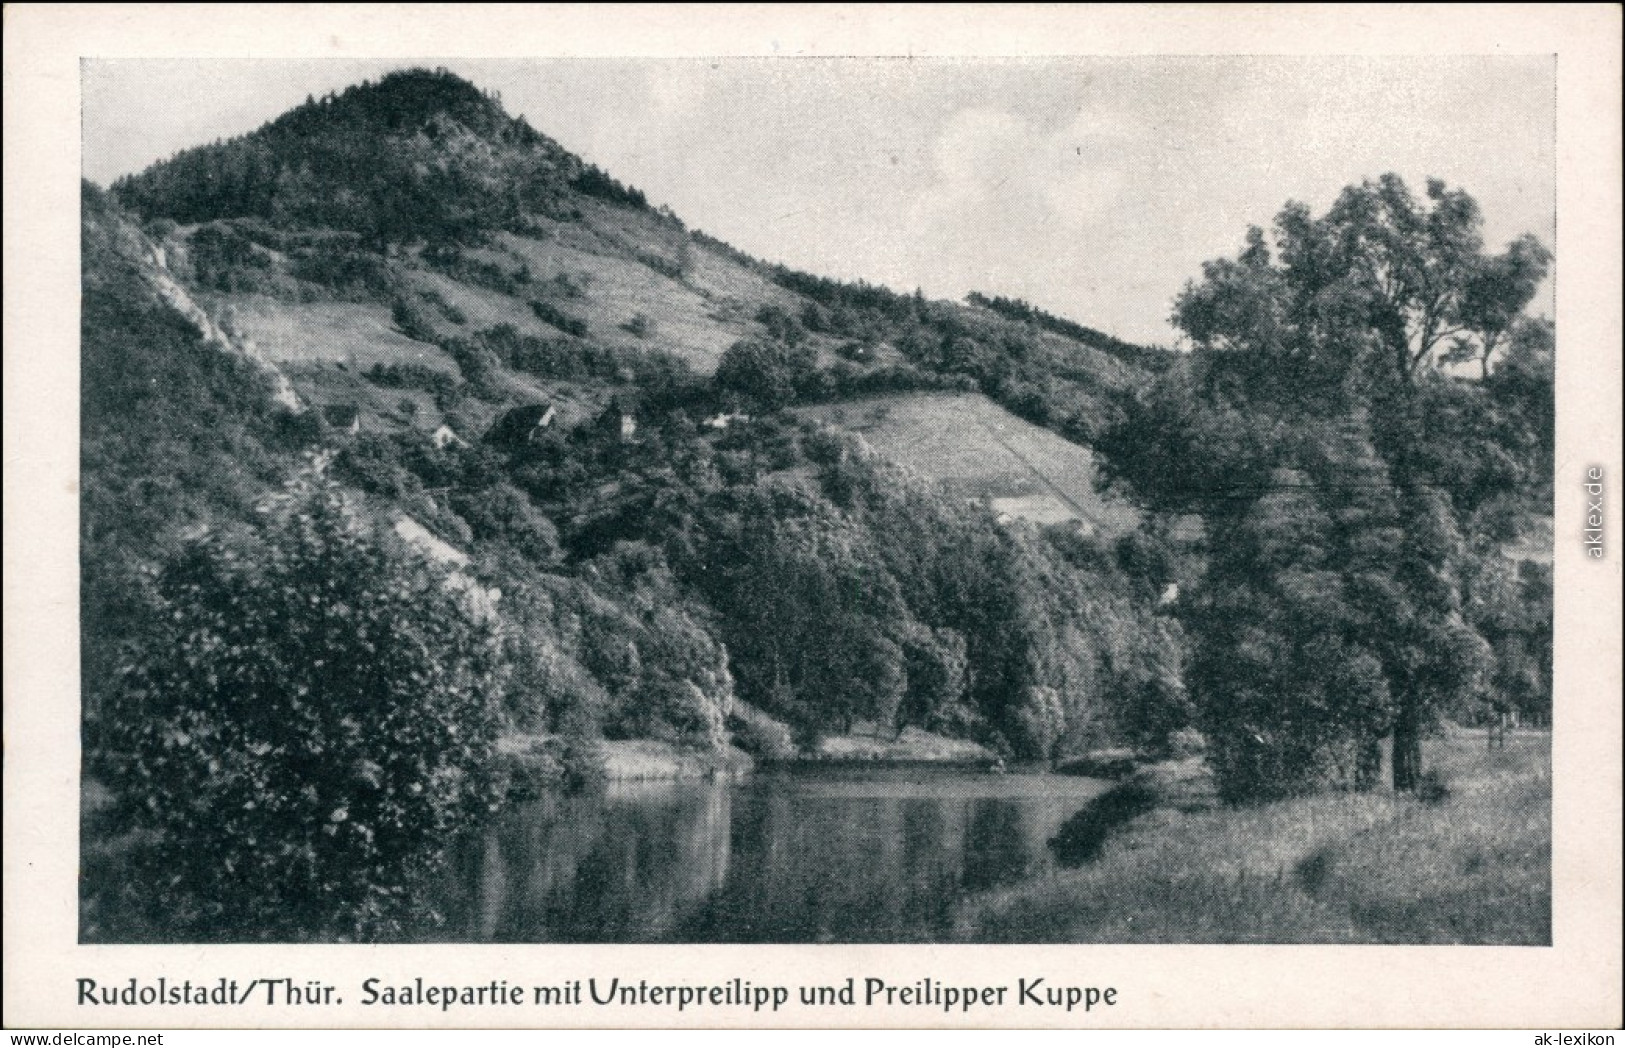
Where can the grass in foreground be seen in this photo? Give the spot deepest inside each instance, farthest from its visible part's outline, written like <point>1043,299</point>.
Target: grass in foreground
<point>1339,868</point>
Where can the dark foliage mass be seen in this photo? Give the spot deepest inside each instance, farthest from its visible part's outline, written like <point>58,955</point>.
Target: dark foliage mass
<point>1074,385</point>
<point>1357,494</point>
<point>311,723</point>
<point>1081,837</point>
<point>1016,309</point>
<point>596,183</point>
<point>646,586</point>
<point>174,434</point>
<point>418,155</point>
<point>865,597</point>
<point>565,322</point>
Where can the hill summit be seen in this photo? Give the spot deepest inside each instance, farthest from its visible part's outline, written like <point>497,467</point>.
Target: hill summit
<point>419,154</point>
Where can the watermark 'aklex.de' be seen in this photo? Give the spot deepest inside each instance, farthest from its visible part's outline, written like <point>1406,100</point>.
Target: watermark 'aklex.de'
<point>1593,528</point>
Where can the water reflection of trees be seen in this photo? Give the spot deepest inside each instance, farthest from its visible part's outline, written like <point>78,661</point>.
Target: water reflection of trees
<point>995,848</point>
<point>857,870</point>
<point>617,868</point>
<point>759,863</point>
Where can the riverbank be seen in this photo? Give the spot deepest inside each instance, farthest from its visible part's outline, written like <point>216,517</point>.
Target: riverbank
<point>538,762</point>
<point>909,746</point>
<point>648,760</point>
<point>773,742</point>
<point>1473,866</point>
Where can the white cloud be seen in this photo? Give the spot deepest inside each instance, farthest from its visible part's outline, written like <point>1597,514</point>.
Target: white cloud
<point>676,90</point>
<point>994,169</point>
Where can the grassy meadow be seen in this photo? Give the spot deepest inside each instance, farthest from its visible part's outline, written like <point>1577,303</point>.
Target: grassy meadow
<point>1474,867</point>
<point>979,450</point>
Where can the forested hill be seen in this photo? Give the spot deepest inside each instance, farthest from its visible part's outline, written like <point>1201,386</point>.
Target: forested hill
<point>571,397</point>
<point>418,154</point>
<point>424,168</point>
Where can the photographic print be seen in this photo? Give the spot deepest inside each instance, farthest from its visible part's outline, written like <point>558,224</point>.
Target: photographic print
<point>868,500</point>
<point>474,550</point>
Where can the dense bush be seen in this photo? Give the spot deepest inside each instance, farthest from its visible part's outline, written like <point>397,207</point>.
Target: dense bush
<point>410,375</point>
<point>781,325</point>
<point>763,372</point>
<point>447,310</point>
<point>565,358</point>
<point>864,595</point>
<point>314,723</point>
<point>224,260</point>
<point>595,182</point>
<point>1335,462</point>
<point>760,735</point>
<point>174,433</point>
<point>1016,309</point>
<point>565,322</point>
<point>411,322</point>
<point>661,264</point>
<point>503,513</point>
<point>449,258</point>
<point>341,265</point>
<point>480,367</point>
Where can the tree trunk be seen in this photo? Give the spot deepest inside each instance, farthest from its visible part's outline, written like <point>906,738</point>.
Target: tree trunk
<point>1407,758</point>
<point>1368,767</point>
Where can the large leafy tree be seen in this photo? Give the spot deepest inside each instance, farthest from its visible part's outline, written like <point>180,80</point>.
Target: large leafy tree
<point>1382,289</point>
<point>810,610</point>
<point>1319,404</point>
<point>311,724</point>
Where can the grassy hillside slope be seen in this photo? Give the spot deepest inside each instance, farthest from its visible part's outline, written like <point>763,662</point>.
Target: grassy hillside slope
<point>979,450</point>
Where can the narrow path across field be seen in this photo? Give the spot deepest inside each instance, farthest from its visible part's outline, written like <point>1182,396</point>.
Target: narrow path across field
<point>977,448</point>
<point>1038,474</point>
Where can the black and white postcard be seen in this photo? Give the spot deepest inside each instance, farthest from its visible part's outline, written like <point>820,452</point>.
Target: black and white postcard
<point>811,517</point>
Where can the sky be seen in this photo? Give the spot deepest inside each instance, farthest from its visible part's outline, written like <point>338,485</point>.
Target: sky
<point>1092,187</point>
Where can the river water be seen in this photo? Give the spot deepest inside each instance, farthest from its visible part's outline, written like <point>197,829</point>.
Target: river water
<point>809,854</point>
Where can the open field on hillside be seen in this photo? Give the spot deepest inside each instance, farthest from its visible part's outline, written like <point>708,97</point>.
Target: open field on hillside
<point>481,307</point>
<point>980,450</point>
<point>614,289</point>
<point>625,264</point>
<point>352,333</point>
<point>609,269</point>
<point>711,273</point>
<point>1475,867</point>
